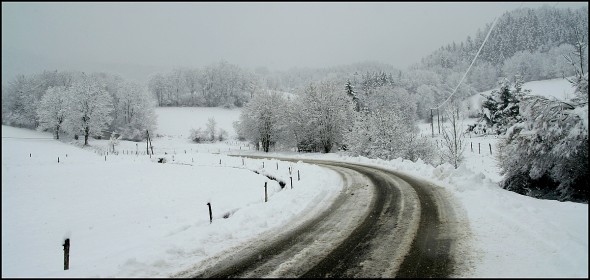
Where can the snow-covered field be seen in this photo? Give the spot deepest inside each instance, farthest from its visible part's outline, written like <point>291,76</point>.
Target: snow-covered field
<point>129,216</point>
<point>178,121</point>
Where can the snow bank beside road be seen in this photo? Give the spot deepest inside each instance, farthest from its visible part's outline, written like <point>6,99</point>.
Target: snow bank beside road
<point>512,235</point>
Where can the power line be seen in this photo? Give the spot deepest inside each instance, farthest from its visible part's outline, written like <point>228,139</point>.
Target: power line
<point>470,65</point>
<point>473,61</point>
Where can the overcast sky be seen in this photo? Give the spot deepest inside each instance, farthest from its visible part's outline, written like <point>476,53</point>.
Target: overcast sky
<point>276,35</point>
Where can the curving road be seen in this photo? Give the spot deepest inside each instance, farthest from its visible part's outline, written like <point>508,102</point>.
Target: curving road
<point>382,224</point>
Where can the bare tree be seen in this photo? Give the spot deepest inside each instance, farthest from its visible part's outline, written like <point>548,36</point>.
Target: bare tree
<point>578,60</point>
<point>453,144</point>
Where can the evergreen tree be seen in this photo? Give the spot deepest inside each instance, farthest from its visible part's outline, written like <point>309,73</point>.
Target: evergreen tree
<point>500,109</point>
<point>352,94</point>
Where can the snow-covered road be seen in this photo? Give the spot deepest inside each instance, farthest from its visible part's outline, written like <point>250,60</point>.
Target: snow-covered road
<point>381,225</point>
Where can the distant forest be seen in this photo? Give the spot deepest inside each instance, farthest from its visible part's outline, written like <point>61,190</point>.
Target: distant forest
<point>531,43</point>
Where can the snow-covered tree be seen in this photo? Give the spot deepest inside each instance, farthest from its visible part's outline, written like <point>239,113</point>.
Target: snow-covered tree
<point>157,85</point>
<point>483,76</point>
<point>554,64</point>
<point>328,113</point>
<point>395,99</point>
<point>296,133</point>
<point>211,128</point>
<point>19,102</point>
<point>386,130</point>
<point>358,139</point>
<point>579,58</point>
<point>349,88</point>
<point>426,96</point>
<point>500,109</point>
<point>525,64</point>
<point>89,108</point>
<point>52,110</point>
<point>383,133</point>
<point>546,155</point>
<point>114,140</point>
<point>135,111</point>
<point>453,142</point>
<point>260,120</point>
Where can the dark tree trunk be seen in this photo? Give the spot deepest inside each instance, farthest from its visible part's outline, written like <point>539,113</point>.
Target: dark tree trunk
<point>86,134</point>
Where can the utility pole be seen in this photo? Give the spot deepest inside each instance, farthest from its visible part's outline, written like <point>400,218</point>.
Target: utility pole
<point>432,122</point>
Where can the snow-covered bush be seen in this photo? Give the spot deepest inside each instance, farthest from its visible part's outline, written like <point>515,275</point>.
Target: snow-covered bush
<point>547,154</point>
<point>198,135</point>
<point>221,134</point>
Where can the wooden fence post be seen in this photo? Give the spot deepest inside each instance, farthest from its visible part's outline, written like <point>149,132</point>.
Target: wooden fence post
<point>298,178</point>
<point>291,177</point>
<point>479,148</point>
<point>490,148</point>
<point>472,147</point>
<point>66,246</point>
<point>265,193</point>
<point>147,141</point>
<point>438,118</point>
<point>277,165</point>
<point>210,213</point>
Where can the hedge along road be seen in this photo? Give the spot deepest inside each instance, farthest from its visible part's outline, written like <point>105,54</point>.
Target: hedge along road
<point>382,224</point>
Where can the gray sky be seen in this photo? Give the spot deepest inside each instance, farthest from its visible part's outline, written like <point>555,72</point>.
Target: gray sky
<point>276,35</point>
